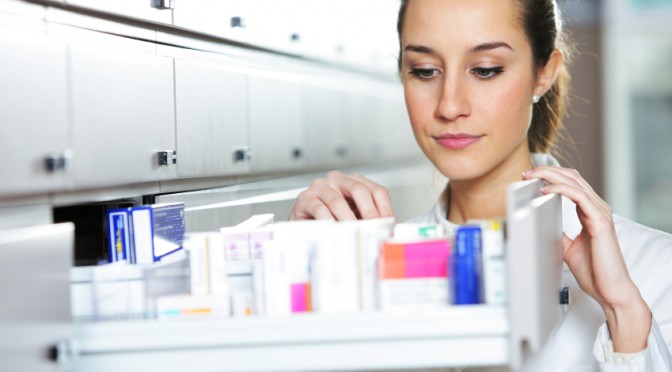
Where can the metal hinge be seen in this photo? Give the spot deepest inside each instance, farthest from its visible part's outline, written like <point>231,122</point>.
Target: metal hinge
<point>58,161</point>
<point>238,22</point>
<point>163,4</point>
<point>62,353</point>
<point>167,157</point>
<point>241,154</point>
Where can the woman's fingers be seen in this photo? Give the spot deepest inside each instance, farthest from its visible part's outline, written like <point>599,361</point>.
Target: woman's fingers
<point>308,206</point>
<point>381,196</point>
<point>357,192</point>
<point>577,188</point>
<point>578,195</point>
<point>342,198</point>
<point>555,175</point>
<point>566,173</point>
<point>320,211</point>
<point>594,213</point>
<point>334,200</point>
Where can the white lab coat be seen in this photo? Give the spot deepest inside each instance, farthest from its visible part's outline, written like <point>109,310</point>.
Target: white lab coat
<point>581,340</point>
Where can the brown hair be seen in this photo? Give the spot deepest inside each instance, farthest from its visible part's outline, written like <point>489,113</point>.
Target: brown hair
<point>542,25</point>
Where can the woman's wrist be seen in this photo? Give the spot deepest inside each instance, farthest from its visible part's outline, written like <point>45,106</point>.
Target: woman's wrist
<point>629,325</point>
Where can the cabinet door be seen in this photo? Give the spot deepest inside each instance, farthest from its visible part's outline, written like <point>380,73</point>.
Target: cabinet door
<point>35,289</point>
<point>122,111</point>
<point>360,120</point>
<point>33,107</point>
<point>275,124</point>
<point>322,25</point>
<point>394,134</point>
<point>129,8</point>
<point>380,125</point>
<point>277,25</point>
<point>211,107</point>
<point>224,18</point>
<point>270,24</point>
<point>326,127</point>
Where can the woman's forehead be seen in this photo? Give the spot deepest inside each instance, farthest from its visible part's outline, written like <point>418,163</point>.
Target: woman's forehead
<point>461,24</point>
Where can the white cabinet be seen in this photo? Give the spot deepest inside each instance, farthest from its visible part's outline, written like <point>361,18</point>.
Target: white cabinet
<point>269,24</point>
<point>361,121</point>
<point>354,32</point>
<point>325,121</point>
<point>276,126</point>
<point>347,31</point>
<point>33,108</point>
<point>277,25</point>
<point>144,10</point>
<point>122,110</point>
<point>211,119</point>
<point>410,338</point>
<point>379,119</point>
<point>457,336</point>
<point>35,290</point>
<point>228,19</point>
<point>392,128</point>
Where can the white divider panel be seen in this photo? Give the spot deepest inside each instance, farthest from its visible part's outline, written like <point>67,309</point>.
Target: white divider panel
<point>534,256</point>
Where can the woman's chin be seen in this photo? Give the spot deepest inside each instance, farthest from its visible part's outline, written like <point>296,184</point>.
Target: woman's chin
<point>461,173</point>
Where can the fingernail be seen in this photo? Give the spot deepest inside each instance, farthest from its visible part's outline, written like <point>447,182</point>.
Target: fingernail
<point>527,173</point>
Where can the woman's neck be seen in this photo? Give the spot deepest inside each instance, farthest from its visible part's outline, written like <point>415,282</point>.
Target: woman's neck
<point>485,197</point>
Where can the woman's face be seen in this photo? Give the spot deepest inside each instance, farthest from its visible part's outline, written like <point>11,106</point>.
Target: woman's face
<point>469,81</point>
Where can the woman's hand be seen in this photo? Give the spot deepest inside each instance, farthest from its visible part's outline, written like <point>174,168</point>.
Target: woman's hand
<point>596,260</point>
<point>340,197</point>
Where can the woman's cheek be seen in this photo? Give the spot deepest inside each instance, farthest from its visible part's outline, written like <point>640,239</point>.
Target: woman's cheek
<point>419,102</point>
<point>508,104</point>
<point>417,109</point>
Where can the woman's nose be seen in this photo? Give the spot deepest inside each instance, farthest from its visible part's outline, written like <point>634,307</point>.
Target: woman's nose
<point>453,102</point>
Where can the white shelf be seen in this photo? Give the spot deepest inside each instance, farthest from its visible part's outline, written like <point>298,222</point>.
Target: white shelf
<point>448,336</point>
<point>454,336</point>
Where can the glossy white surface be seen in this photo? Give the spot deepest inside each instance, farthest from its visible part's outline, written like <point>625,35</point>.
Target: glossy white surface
<point>450,336</point>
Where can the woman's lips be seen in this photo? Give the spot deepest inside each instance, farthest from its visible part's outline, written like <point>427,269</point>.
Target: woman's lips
<point>457,141</point>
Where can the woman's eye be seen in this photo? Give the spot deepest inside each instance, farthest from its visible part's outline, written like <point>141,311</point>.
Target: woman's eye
<point>424,73</point>
<point>487,72</point>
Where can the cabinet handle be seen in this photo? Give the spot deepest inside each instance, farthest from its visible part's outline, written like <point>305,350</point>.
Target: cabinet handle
<point>564,296</point>
<point>163,4</point>
<point>342,151</point>
<point>62,353</point>
<point>297,153</point>
<point>241,154</point>
<point>238,22</point>
<point>167,157</point>
<point>58,161</point>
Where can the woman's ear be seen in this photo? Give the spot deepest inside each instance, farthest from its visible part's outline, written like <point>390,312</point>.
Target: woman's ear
<point>547,75</point>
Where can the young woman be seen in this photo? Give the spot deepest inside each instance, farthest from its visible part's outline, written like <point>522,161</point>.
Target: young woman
<point>485,85</point>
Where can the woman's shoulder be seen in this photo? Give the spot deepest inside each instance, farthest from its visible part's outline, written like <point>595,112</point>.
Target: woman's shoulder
<point>632,236</point>
<point>647,251</point>
<point>643,239</point>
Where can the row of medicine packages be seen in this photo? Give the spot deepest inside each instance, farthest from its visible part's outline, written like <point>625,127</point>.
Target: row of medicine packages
<point>263,268</point>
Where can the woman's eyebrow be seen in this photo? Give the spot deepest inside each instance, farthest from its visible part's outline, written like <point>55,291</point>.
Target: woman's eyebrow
<point>490,46</point>
<point>419,49</point>
<point>476,49</point>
